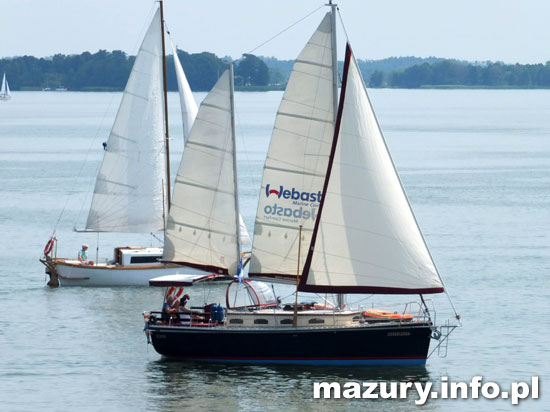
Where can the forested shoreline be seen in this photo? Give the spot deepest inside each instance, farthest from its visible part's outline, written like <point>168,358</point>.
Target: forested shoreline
<point>109,71</point>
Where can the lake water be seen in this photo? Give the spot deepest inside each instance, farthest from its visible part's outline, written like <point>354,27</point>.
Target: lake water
<point>475,165</point>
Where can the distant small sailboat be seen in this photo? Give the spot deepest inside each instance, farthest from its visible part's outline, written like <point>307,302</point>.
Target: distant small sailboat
<point>5,91</point>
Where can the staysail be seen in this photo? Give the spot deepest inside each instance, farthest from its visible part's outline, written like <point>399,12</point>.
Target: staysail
<point>296,162</point>
<point>366,239</point>
<point>128,194</point>
<point>203,224</point>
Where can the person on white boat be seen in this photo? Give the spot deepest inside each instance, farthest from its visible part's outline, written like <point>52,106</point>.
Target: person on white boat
<point>83,256</point>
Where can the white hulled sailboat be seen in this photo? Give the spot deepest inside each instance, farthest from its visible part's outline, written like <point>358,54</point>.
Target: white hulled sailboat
<point>132,190</point>
<point>332,218</point>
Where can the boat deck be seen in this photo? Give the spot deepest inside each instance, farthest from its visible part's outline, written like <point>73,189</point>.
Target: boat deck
<point>279,318</point>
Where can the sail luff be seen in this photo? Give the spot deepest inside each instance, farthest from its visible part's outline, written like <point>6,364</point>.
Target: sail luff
<point>366,239</point>
<point>168,181</point>
<point>3,90</point>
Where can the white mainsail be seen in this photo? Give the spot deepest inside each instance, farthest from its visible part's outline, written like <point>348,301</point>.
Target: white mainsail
<point>296,162</point>
<point>368,239</point>
<point>187,101</point>
<point>128,195</point>
<point>203,228</point>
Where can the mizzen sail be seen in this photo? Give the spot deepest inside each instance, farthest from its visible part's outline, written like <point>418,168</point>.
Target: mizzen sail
<point>296,162</point>
<point>128,194</point>
<point>366,239</point>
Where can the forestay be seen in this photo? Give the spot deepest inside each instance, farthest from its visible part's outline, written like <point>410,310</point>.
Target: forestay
<point>128,194</point>
<point>296,162</point>
<point>367,240</point>
<point>202,228</point>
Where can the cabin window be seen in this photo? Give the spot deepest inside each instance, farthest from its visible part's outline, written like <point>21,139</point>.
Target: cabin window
<point>261,321</point>
<point>144,259</point>
<point>236,321</point>
<point>316,320</point>
<point>286,322</point>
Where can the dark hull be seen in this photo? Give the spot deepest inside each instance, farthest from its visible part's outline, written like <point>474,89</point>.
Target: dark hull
<point>358,345</point>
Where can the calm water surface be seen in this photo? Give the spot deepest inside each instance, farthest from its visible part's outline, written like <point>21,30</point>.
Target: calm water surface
<point>476,167</point>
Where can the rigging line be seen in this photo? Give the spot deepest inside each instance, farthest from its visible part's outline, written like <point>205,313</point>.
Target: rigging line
<point>284,30</point>
<point>457,315</point>
<point>242,133</point>
<point>342,23</point>
<point>85,162</point>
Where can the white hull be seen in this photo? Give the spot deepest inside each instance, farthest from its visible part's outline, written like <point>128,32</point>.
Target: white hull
<point>5,97</point>
<point>71,273</point>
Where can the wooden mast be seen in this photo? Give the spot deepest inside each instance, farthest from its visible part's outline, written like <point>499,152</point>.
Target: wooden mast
<point>166,134</point>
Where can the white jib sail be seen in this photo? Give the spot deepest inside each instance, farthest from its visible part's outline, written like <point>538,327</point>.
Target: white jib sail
<point>296,162</point>
<point>189,113</point>
<point>368,236</point>
<point>128,195</point>
<point>187,101</point>
<point>202,226</point>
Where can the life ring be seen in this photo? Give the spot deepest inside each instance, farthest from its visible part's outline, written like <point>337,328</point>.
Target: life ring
<point>179,292</point>
<point>49,246</point>
<point>174,292</point>
<point>169,292</point>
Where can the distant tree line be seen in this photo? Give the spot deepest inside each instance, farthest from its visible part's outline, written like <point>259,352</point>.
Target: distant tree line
<point>110,71</point>
<point>452,73</point>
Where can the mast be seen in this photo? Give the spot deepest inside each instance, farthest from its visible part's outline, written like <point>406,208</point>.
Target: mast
<point>295,317</point>
<point>165,85</point>
<point>237,213</point>
<point>335,87</point>
<point>334,58</point>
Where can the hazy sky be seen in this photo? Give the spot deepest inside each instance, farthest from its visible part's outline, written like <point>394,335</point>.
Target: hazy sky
<point>507,30</point>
